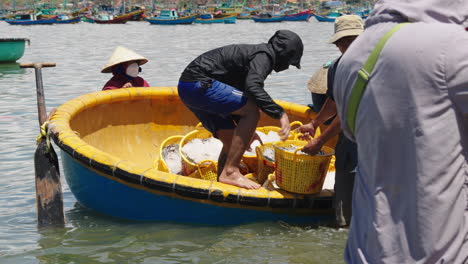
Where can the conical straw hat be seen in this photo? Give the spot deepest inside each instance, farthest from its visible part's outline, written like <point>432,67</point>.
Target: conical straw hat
<point>122,54</point>
<point>318,82</point>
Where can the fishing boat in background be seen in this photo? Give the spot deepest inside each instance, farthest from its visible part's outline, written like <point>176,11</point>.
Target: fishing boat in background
<point>67,20</point>
<point>109,153</point>
<point>328,18</point>
<point>267,18</point>
<point>31,19</point>
<point>300,16</point>
<point>216,18</point>
<point>109,19</point>
<point>12,49</point>
<point>87,19</point>
<point>170,17</point>
<point>244,16</point>
<point>232,7</point>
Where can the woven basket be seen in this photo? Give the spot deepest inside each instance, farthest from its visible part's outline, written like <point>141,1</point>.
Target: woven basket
<point>206,170</point>
<point>264,166</point>
<point>160,164</point>
<point>300,173</point>
<point>188,167</point>
<point>251,160</point>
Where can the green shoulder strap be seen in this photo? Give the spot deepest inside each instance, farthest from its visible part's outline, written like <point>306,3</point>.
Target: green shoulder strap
<point>363,78</point>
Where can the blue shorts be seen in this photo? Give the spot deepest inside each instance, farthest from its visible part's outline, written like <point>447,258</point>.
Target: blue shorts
<point>212,102</point>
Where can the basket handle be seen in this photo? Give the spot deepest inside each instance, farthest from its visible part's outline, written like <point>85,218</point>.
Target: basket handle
<point>295,153</point>
<point>199,125</point>
<point>299,123</point>
<point>203,164</point>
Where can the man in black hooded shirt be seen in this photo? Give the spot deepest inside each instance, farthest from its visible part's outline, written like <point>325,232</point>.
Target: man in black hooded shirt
<point>224,89</point>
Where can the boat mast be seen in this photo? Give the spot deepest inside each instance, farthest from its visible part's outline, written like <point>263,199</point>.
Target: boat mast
<point>13,5</point>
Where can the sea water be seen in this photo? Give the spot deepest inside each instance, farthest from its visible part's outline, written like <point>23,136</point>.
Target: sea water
<point>80,51</point>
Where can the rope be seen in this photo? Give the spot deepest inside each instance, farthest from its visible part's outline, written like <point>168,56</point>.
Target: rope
<point>44,134</point>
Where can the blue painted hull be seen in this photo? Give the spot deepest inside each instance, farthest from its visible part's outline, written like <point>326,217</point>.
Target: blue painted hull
<point>269,19</point>
<point>303,16</point>
<point>209,21</point>
<point>31,22</point>
<point>177,21</point>
<point>68,21</point>
<point>108,196</point>
<point>227,20</point>
<point>230,20</point>
<point>324,19</point>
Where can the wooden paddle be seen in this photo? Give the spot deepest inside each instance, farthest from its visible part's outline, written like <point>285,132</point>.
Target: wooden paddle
<point>48,187</point>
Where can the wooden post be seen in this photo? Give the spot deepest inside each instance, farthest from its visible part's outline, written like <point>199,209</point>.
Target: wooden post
<point>49,199</point>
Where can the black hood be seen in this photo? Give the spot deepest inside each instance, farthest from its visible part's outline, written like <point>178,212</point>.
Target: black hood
<point>288,49</point>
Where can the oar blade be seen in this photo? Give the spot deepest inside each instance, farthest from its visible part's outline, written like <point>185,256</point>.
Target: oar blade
<point>48,186</point>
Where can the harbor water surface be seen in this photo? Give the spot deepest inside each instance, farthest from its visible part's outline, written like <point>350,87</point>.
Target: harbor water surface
<point>80,51</point>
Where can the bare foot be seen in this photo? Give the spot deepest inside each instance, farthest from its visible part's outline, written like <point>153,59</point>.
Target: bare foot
<point>237,179</point>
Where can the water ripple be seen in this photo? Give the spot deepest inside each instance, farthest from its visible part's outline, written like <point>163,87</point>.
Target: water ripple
<point>80,51</point>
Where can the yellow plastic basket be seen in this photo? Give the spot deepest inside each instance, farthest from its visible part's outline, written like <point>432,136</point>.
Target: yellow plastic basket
<point>188,167</point>
<point>206,170</point>
<point>160,164</point>
<point>297,134</point>
<point>264,166</point>
<point>252,160</point>
<point>332,164</point>
<point>299,173</point>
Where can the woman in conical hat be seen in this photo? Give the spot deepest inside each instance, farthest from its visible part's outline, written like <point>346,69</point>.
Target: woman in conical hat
<point>124,64</point>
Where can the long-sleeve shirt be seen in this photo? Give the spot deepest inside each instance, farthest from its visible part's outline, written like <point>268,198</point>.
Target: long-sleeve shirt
<point>118,81</point>
<point>410,200</point>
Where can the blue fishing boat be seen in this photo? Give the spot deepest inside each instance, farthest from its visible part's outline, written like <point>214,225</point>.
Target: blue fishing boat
<point>110,167</point>
<point>210,19</point>
<point>230,19</point>
<point>329,18</point>
<point>87,19</point>
<point>268,18</point>
<point>170,17</point>
<point>66,20</point>
<point>46,21</point>
<point>301,16</point>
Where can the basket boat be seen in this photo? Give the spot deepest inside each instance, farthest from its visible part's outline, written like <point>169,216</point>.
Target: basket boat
<point>109,141</point>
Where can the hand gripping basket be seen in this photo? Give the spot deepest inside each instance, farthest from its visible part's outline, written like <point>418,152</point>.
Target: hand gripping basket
<point>188,167</point>
<point>264,165</point>
<point>297,134</point>
<point>252,160</point>
<point>299,173</point>
<point>160,163</point>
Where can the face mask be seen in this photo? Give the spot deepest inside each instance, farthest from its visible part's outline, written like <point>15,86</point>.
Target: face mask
<point>132,70</point>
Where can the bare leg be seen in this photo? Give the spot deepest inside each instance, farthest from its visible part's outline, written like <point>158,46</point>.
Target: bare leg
<point>226,137</point>
<point>230,173</point>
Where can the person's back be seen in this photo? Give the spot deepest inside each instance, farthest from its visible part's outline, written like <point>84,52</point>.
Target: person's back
<point>228,64</point>
<point>411,196</point>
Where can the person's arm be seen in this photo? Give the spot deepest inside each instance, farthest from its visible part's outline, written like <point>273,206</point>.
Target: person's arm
<point>328,111</point>
<point>145,83</point>
<point>259,68</point>
<point>112,84</point>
